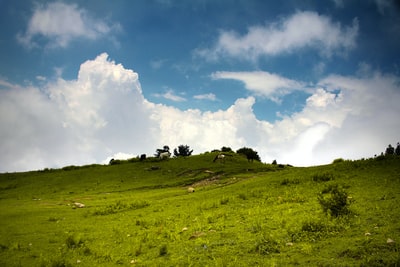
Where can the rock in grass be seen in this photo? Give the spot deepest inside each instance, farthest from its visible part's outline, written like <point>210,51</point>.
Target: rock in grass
<point>79,205</point>
<point>196,235</point>
<point>190,190</point>
<point>390,241</point>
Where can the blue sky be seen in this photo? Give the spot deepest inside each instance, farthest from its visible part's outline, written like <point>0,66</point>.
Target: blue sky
<point>302,82</point>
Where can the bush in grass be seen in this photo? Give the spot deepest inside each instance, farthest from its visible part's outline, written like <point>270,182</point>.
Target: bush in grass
<point>334,200</point>
<point>115,162</point>
<point>70,168</point>
<point>249,153</point>
<point>73,242</point>
<point>322,177</point>
<point>183,151</point>
<point>288,181</point>
<point>224,200</point>
<point>163,250</point>
<point>58,263</point>
<point>3,247</point>
<point>266,245</point>
<point>338,160</point>
<point>226,149</point>
<point>315,229</point>
<point>120,206</point>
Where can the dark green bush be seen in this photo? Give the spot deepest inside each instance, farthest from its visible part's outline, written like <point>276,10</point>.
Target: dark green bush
<point>288,181</point>
<point>163,250</point>
<point>323,177</point>
<point>334,200</point>
<point>73,242</point>
<point>266,245</point>
<point>339,160</point>
<point>120,206</point>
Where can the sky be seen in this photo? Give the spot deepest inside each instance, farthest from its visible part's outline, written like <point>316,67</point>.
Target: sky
<point>302,82</point>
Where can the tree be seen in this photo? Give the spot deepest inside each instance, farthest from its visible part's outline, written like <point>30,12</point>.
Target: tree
<point>389,150</point>
<point>183,151</point>
<point>226,149</point>
<point>159,151</point>
<point>249,153</point>
<point>397,151</point>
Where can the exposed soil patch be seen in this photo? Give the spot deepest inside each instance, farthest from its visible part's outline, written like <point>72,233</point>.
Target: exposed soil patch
<point>208,181</point>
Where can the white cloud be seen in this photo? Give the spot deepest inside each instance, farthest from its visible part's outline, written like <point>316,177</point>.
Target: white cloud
<point>262,83</point>
<point>301,30</point>
<point>60,23</point>
<point>119,155</point>
<point>40,78</point>
<point>209,96</point>
<point>80,121</point>
<point>383,5</point>
<point>157,64</point>
<point>170,95</point>
<point>103,114</point>
<point>339,3</point>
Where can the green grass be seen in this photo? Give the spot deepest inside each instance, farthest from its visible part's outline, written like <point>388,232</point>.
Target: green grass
<point>241,214</point>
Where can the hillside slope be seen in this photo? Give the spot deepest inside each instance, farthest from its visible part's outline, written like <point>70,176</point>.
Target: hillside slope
<point>241,214</point>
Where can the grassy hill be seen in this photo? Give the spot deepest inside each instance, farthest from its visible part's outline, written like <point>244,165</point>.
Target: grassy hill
<point>241,214</point>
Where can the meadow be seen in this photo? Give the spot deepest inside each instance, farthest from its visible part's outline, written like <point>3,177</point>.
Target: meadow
<point>140,213</point>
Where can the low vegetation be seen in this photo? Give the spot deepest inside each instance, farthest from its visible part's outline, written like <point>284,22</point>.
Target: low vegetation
<point>240,213</point>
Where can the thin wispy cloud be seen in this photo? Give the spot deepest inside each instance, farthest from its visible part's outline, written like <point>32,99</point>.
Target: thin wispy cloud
<point>262,83</point>
<point>210,96</point>
<point>170,95</point>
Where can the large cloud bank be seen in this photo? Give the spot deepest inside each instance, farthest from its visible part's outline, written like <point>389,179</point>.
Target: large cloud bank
<point>103,114</point>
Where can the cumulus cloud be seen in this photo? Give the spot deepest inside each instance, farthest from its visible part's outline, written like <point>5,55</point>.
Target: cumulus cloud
<point>103,114</point>
<point>80,121</point>
<point>60,23</point>
<point>262,83</point>
<point>371,121</point>
<point>301,30</point>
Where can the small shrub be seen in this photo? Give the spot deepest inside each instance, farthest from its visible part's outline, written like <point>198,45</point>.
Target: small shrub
<point>313,227</point>
<point>138,251</point>
<point>224,200</point>
<point>3,247</point>
<point>53,219</point>
<point>59,263</point>
<point>242,196</point>
<point>339,160</point>
<point>73,242</point>
<point>256,227</point>
<point>322,177</point>
<point>288,181</point>
<point>316,229</point>
<point>334,200</point>
<point>266,245</point>
<point>163,250</point>
<point>70,168</point>
<point>120,206</point>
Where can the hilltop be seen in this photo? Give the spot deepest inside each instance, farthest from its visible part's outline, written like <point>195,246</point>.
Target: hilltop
<point>242,213</point>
